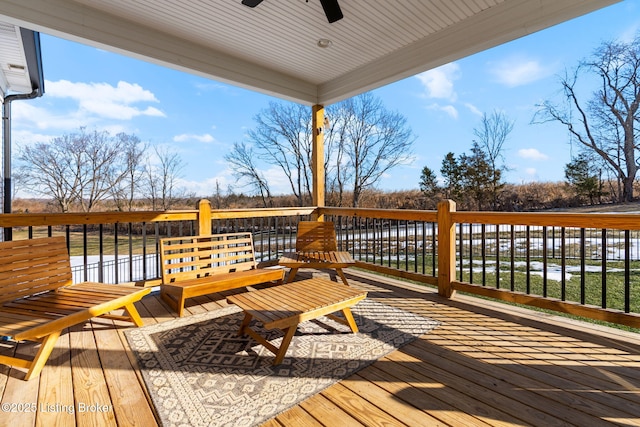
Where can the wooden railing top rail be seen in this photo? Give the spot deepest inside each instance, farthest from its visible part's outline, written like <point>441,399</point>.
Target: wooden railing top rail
<point>401,214</point>
<point>261,212</point>
<point>579,220</point>
<point>45,219</point>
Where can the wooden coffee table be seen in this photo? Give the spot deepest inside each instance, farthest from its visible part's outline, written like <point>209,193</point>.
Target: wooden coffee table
<point>285,306</point>
<point>317,259</point>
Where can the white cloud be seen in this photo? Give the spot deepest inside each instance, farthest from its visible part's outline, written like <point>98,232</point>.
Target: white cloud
<point>104,100</point>
<point>629,34</point>
<point>439,81</point>
<point>519,71</point>
<point>473,109</point>
<point>450,110</point>
<point>29,115</point>
<point>531,171</point>
<point>22,138</point>
<point>206,138</point>
<point>532,154</point>
<point>207,187</point>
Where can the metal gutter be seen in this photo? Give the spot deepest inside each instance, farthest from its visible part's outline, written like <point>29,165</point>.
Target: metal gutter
<point>31,44</point>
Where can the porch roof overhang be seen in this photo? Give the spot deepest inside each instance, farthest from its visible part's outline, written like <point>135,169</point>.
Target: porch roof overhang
<point>273,48</point>
<point>20,62</point>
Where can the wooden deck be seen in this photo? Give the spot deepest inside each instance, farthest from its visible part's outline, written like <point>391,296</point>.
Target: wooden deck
<point>486,364</point>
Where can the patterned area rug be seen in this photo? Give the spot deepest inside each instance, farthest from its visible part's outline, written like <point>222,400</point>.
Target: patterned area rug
<point>199,372</point>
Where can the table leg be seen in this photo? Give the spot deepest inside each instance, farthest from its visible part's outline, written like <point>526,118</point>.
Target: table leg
<point>350,320</point>
<point>245,324</point>
<point>342,276</point>
<point>286,340</point>
<point>292,275</point>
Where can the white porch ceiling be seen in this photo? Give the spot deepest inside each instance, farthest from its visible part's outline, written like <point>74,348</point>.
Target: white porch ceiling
<point>273,48</point>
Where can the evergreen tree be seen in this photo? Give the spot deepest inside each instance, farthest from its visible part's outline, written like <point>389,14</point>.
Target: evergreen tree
<point>583,178</point>
<point>452,175</point>
<point>478,177</point>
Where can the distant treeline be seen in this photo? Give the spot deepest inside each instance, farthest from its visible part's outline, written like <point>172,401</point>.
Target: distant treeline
<point>513,198</point>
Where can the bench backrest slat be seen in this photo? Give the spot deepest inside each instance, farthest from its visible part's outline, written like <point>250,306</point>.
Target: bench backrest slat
<point>316,236</point>
<point>192,257</point>
<point>32,266</point>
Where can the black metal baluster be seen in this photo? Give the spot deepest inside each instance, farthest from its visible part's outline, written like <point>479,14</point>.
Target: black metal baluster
<point>388,243</point>
<point>424,246</point>
<point>513,258</point>
<point>603,274</point>
<point>158,261</point>
<point>461,243</point>
<point>563,265</point>
<point>115,252</point>
<point>627,271</point>
<point>406,245</point>
<point>583,270</point>
<point>101,253</point>
<point>433,249</point>
<point>68,237</point>
<point>144,251</point>
<point>497,231</point>
<point>544,261</point>
<point>483,252</point>
<point>85,255</point>
<point>130,252</point>
<point>528,260</point>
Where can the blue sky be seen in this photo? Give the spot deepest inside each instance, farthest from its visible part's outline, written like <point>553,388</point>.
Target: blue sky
<point>201,118</point>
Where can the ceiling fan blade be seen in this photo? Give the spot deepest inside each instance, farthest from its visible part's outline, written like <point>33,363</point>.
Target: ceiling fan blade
<point>331,9</point>
<point>251,3</point>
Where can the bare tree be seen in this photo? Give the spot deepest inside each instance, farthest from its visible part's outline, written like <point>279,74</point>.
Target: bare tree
<point>607,124</point>
<point>376,141</point>
<point>125,191</point>
<point>337,171</point>
<point>283,138</point>
<point>241,160</point>
<point>362,140</point>
<point>491,134</point>
<point>78,168</point>
<point>162,172</point>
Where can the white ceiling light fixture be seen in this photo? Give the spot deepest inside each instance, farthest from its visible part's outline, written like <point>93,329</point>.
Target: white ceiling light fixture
<point>324,43</point>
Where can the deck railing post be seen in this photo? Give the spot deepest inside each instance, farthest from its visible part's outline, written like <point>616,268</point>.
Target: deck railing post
<point>446,248</point>
<point>317,159</point>
<point>204,218</point>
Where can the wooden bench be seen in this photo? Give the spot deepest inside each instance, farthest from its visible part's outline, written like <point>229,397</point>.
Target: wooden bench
<point>200,265</point>
<point>38,300</point>
<point>286,306</point>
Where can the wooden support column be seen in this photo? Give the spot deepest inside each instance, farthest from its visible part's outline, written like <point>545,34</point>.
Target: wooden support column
<point>204,218</point>
<point>446,248</point>
<point>317,158</point>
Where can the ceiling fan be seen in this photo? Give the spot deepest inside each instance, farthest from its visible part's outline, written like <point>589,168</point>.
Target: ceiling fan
<point>331,8</point>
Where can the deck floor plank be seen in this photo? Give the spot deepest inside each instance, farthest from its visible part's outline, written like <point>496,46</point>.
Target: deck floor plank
<point>361,408</point>
<point>127,395</point>
<point>389,403</point>
<point>486,364</point>
<point>55,398</point>
<point>20,395</point>
<point>433,398</point>
<point>89,382</point>
<point>297,416</point>
<point>328,413</point>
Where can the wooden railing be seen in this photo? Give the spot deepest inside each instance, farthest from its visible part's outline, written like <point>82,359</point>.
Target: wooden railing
<point>582,264</point>
<point>507,256</point>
